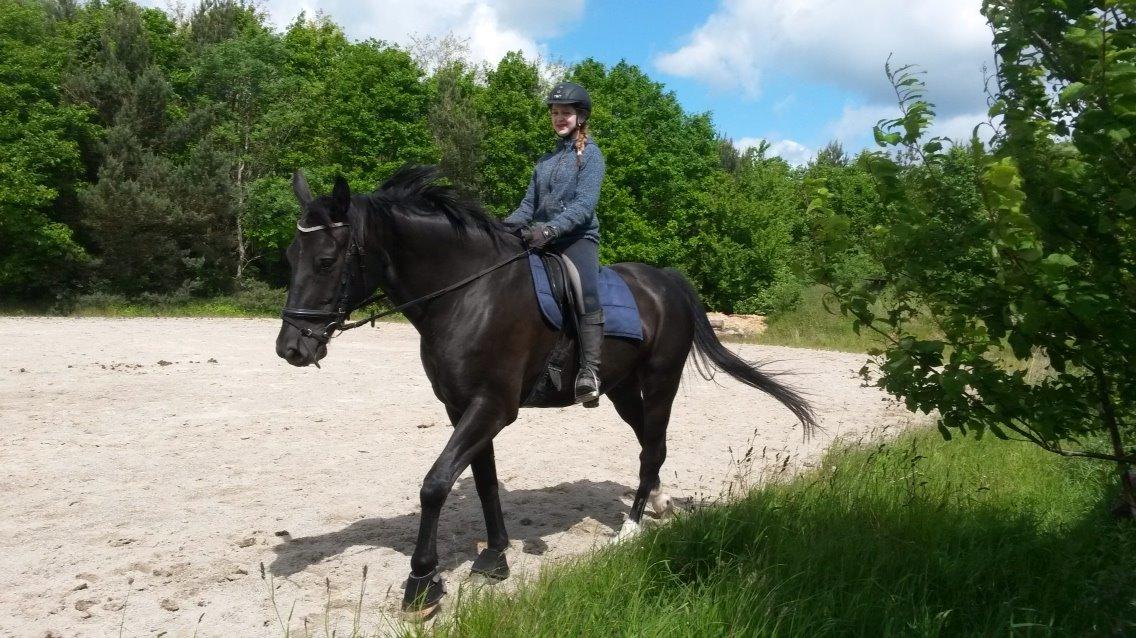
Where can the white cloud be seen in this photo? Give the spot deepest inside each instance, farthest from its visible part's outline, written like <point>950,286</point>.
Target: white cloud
<point>856,122</point>
<point>491,27</point>
<point>960,127</point>
<point>746,143</point>
<point>840,43</point>
<point>795,153</point>
<point>791,151</point>
<point>540,18</point>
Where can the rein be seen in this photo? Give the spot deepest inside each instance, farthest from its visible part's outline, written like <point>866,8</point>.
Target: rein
<point>338,318</point>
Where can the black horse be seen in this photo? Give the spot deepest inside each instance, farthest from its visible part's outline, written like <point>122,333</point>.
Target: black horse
<point>484,344</point>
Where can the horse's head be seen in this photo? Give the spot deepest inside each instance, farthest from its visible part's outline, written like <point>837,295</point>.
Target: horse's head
<point>322,277</point>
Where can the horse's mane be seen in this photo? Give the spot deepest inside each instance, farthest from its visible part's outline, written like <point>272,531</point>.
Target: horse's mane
<point>414,188</point>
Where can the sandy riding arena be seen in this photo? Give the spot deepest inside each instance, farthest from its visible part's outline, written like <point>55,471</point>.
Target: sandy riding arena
<point>148,467</point>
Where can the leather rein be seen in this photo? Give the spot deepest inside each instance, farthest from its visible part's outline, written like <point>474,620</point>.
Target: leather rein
<point>337,318</point>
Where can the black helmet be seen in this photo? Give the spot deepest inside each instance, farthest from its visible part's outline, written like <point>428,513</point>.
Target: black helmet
<point>570,93</point>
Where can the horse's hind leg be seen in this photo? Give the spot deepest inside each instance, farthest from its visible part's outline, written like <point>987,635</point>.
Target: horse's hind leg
<point>646,405</point>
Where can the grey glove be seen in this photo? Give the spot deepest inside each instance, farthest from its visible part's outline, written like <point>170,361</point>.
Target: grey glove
<point>538,235</point>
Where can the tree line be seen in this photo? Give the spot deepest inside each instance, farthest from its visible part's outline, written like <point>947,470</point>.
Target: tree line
<point>149,154</point>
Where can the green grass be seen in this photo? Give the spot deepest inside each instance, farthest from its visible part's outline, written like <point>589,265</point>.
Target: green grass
<point>914,537</point>
<point>210,307</point>
<point>811,324</point>
<point>256,302</point>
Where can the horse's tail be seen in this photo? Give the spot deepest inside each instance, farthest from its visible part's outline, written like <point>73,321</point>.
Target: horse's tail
<point>710,355</point>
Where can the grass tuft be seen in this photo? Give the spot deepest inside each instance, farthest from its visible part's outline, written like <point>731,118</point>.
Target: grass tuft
<point>816,322</point>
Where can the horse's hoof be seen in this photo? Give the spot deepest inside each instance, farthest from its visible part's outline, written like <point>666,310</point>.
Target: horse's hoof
<point>491,564</point>
<point>423,596</point>
<point>661,504</point>
<point>630,529</point>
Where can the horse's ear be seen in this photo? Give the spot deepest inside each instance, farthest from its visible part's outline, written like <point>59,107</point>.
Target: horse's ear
<point>341,193</point>
<point>301,190</point>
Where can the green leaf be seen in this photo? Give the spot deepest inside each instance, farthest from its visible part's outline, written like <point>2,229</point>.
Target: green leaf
<point>1126,199</point>
<point>1002,175</point>
<point>943,431</point>
<point>1072,92</point>
<point>1058,259</point>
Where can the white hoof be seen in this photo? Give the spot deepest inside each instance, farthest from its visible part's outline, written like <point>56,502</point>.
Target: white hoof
<point>630,529</point>
<point>661,503</point>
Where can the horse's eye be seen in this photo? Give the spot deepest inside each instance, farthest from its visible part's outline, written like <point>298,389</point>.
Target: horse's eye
<point>325,263</point>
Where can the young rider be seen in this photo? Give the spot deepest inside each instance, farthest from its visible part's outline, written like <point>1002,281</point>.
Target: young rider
<point>559,210</point>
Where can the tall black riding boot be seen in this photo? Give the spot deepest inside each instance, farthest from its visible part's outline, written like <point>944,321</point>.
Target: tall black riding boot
<point>591,342</point>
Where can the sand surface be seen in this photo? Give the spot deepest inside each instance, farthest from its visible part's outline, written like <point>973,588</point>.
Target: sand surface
<point>148,467</point>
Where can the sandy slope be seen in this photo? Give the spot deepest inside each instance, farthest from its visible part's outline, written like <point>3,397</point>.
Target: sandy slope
<point>153,463</point>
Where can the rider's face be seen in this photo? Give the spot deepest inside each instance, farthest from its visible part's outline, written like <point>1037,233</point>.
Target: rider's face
<point>563,118</point>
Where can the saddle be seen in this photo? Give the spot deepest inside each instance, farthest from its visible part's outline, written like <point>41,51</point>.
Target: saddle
<point>556,283</point>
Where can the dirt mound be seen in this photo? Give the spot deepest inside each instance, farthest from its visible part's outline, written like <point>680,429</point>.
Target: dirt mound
<point>742,326</point>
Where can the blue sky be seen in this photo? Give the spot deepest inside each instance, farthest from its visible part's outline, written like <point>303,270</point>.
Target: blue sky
<point>797,73</point>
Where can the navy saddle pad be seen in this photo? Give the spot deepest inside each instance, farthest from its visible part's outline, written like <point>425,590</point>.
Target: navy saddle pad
<point>621,314</point>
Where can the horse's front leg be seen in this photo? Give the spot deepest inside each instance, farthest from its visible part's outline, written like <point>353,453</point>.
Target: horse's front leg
<point>473,433</point>
<point>491,561</point>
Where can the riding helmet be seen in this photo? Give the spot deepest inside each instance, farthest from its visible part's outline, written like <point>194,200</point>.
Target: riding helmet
<point>570,93</point>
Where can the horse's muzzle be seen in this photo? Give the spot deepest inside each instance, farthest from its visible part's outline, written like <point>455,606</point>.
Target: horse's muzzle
<point>297,349</point>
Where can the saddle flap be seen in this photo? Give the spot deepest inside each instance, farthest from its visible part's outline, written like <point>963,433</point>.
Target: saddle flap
<point>573,277</point>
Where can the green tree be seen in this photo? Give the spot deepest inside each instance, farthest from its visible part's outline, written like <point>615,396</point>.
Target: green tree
<point>850,192</point>
<point>457,127</point>
<point>160,208</point>
<point>1032,286</point>
<point>456,124</point>
<point>40,159</point>
<point>234,69</point>
<point>517,131</point>
<point>357,109</point>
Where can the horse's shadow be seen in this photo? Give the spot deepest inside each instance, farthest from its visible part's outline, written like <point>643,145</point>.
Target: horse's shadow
<point>529,515</point>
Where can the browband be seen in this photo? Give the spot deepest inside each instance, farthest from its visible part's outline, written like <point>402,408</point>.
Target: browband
<point>312,229</point>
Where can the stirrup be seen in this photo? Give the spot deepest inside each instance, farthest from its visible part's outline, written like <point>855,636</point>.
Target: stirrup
<point>591,397</point>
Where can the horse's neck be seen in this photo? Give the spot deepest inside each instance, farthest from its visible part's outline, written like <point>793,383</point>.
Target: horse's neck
<point>425,255</point>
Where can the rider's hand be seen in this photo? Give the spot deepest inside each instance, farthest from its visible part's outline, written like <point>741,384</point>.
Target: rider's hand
<point>538,235</point>
<point>515,228</point>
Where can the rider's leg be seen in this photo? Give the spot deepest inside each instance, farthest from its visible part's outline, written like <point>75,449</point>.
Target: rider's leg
<point>584,254</point>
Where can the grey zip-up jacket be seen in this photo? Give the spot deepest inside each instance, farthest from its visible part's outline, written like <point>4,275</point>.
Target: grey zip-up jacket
<point>564,196</point>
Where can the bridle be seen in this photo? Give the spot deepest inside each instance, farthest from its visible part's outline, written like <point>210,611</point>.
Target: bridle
<point>337,318</point>
<point>343,307</point>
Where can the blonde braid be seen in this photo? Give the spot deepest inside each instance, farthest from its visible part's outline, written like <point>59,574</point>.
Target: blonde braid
<point>581,141</point>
